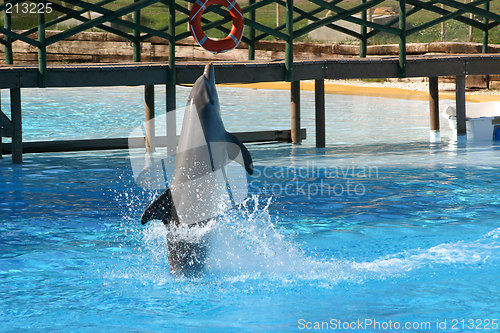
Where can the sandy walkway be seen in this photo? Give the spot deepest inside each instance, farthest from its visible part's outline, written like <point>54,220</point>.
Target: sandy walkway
<point>407,90</point>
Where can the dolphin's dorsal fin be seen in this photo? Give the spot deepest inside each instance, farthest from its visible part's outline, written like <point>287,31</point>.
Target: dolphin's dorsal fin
<point>233,153</point>
<point>160,209</point>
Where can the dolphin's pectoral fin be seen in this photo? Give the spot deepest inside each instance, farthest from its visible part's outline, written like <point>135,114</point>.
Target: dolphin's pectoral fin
<point>160,209</point>
<point>232,151</point>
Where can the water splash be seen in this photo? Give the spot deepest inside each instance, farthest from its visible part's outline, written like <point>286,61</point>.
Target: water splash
<point>246,246</point>
<point>456,253</point>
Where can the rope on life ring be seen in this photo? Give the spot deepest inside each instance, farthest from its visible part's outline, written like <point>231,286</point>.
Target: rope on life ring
<point>217,46</point>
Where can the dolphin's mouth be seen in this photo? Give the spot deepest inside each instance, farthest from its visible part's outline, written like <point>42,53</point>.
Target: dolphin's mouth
<point>209,72</point>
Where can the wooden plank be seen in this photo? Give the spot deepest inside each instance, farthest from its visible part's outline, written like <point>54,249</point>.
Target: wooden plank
<point>189,74</point>
<point>309,70</point>
<point>133,74</point>
<point>435,67</point>
<point>107,76</point>
<point>14,78</point>
<point>484,65</point>
<point>358,69</point>
<point>233,72</point>
<point>251,74</point>
<point>122,143</point>
<point>268,136</point>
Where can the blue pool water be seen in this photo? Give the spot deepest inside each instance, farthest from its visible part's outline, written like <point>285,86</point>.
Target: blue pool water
<point>381,226</point>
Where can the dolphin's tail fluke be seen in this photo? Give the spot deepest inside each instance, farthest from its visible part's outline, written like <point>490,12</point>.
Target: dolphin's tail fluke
<point>160,209</point>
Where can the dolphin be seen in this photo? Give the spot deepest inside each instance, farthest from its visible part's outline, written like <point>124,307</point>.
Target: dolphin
<point>209,179</point>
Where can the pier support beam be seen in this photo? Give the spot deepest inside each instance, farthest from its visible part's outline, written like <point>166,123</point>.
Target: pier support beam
<point>17,131</point>
<point>171,116</point>
<point>1,126</point>
<point>149,114</point>
<point>171,120</point>
<point>319,99</point>
<point>460,104</point>
<point>295,111</point>
<point>434,108</point>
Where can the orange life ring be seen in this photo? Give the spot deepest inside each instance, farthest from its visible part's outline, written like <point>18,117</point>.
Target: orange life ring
<point>217,46</point>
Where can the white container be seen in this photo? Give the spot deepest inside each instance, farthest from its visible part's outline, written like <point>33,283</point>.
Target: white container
<point>481,128</point>
<point>479,121</point>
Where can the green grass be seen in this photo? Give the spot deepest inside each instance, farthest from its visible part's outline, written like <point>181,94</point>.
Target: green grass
<point>156,16</point>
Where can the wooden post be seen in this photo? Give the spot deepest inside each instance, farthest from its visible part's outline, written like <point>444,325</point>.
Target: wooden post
<point>443,27</point>
<point>278,15</point>
<point>137,36</point>
<point>42,51</point>
<point>460,104</point>
<point>485,39</point>
<point>7,24</point>
<point>402,38</point>
<point>319,98</point>
<point>434,103</point>
<point>149,115</point>
<point>434,108</point>
<point>295,111</point>
<point>251,34</point>
<point>189,6</point>
<point>363,41</point>
<point>171,83</point>
<point>471,28</point>
<point>486,31</point>
<point>289,42</point>
<point>17,131</point>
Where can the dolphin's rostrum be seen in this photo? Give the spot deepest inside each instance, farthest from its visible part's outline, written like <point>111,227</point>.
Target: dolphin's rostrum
<point>206,181</point>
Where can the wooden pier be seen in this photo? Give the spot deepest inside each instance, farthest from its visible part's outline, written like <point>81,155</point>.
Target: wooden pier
<point>16,78</point>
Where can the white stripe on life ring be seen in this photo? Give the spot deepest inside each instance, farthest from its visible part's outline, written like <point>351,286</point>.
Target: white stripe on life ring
<point>233,37</point>
<point>202,8</point>
<point>203,40</point>
<point>231,5</point>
